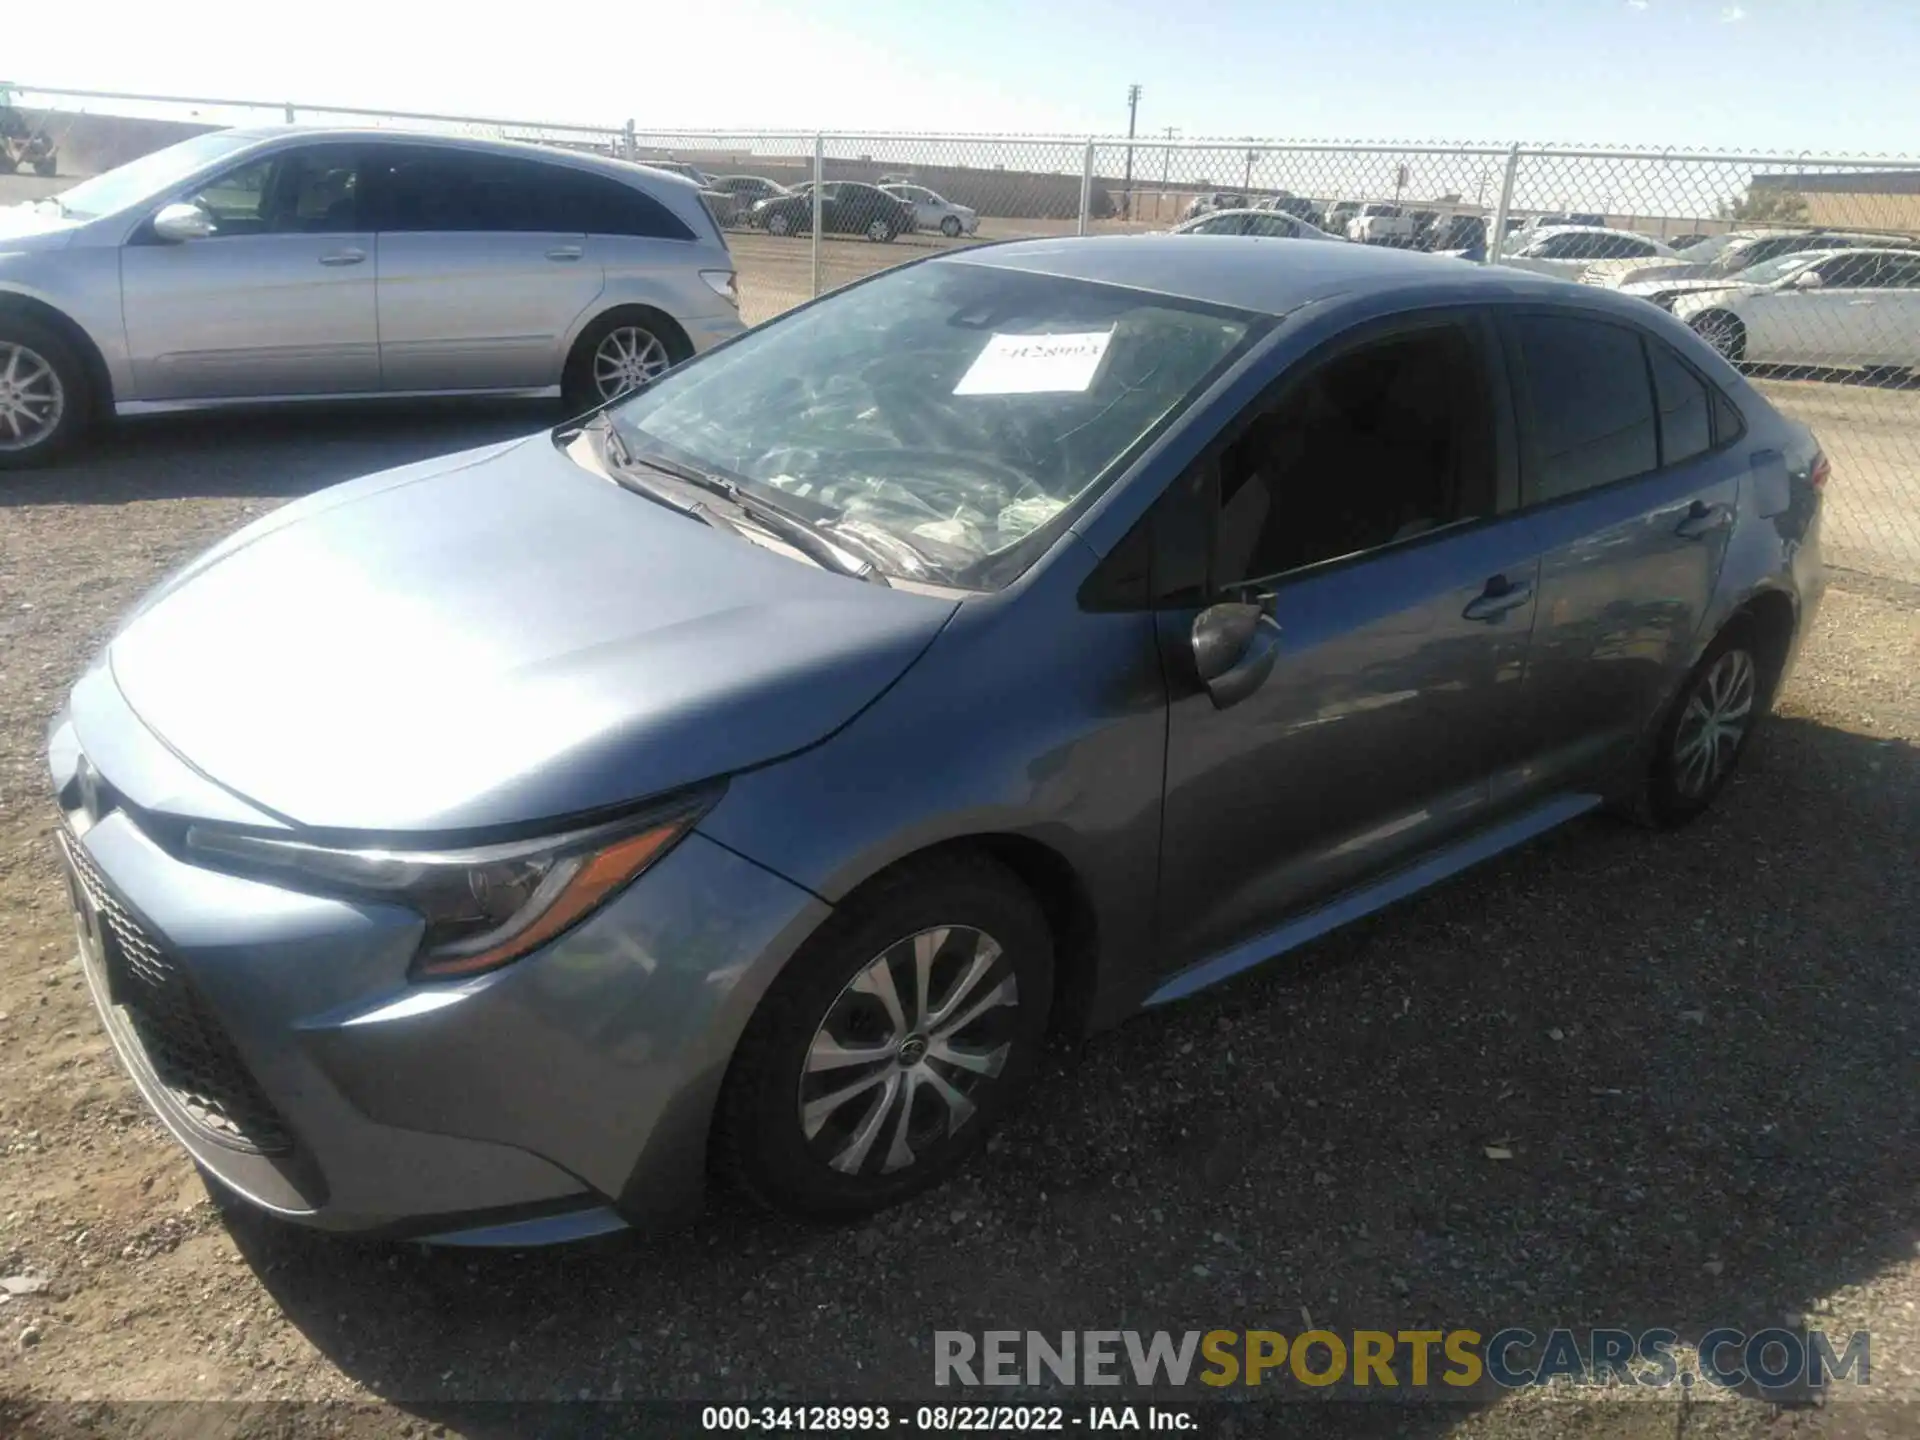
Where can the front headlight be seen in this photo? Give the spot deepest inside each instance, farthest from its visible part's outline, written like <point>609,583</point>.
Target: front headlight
<point>483,906</point>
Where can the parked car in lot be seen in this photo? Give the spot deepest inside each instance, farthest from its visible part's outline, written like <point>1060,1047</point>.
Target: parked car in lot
<point>1297,206</point>
<point>847,207</point>
<point>1568,250</point>
<point>1340,215</point>
<point>685,171</point>
<point>1558,219</point>
<point>294,263</point>
<point>1852,309</point>
<point>1252,222</point>
<point>612,822</point>
<point>1713,261</point>
<point>742,193</point>
<point>1376,223</point>
<point>1215,200</point>
<point>1462,237</point>
<point>934,212</point>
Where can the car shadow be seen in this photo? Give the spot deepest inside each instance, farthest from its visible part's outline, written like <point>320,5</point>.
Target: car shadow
<point>273,452</point>
<point>1614,1079</point>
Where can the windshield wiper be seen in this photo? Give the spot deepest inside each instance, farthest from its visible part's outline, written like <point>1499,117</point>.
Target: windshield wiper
<point>790,527</point>
<point>623,464</point>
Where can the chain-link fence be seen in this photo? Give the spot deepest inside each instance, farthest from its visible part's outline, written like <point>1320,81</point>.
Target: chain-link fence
<point>1803,269</point>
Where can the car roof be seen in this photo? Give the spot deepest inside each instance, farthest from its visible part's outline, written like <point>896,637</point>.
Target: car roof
<point>1549,230</point>
<point>579,159</point>
<point>1270,276</point>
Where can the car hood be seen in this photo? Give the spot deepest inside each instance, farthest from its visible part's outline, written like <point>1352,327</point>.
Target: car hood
<point>498,638</point>
<point>1681,286</point>
<point>26,227</point>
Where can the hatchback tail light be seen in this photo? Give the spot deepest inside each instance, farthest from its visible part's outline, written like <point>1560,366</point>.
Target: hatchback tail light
<point>1819,471</point>
<point>721,282</point>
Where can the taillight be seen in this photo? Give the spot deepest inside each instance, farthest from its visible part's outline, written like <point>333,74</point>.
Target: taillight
<point>1818,472</point>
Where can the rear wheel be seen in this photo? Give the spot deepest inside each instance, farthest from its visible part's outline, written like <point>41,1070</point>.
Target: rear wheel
<point>892,1044</point>
<point>617,354</point>
<point>47,168</point>
<point>879,230</point>
<point>1707,729</point>
<point>44,400</point>
<point>1723,331</point>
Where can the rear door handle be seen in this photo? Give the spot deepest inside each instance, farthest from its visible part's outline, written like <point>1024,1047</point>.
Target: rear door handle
<point>1702,520</point>
<point>565,252</point>
<point>343,257</point>
<point>1500,596</point>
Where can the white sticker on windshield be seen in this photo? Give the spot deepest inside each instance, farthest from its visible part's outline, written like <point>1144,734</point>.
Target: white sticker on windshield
<point>1035,364</point>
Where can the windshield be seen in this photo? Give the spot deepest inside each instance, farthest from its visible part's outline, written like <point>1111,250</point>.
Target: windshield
<point>1778,268</point>
<point>948,413</point>
<point>149,176</point>
<point>1710,248</point>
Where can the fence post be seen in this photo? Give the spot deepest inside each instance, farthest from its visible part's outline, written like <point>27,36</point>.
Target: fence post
<point>630,147</point>
<point>1497,240</point>
<point>1086,189</point>
<point>819,179</point>
<point>289,110</point>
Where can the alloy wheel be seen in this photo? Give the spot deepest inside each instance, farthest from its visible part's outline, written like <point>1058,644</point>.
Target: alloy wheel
<point>32,399</point>
<point>877,230</point>
<point>626,358</point>
<point>908,1050</point>
<point>1713,724</point>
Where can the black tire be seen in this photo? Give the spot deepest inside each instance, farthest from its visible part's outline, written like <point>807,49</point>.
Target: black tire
<point>578,385</point>
<point>8,163</point>
<point>879,231</point>
<point>779,223</point>
<point>75,395</point>
<point>47,168</point>
<point>1725,332</point>
<point>760,1140</point>
<point>1669,795</point>
<point>950,226</point>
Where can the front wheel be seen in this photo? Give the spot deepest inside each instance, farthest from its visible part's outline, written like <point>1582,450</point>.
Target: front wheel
<point>44,401</point>
<point>892,1044</point>
<point>1724,332</point>
<point>778,224</point>
<point>46,168</point>
<point>950,227</point>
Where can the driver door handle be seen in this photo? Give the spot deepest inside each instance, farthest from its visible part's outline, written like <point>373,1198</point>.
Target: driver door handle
<point>565,252</point>
<point>343,257</point>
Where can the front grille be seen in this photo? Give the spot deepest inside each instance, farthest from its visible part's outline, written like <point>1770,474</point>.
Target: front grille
<point>181,1041</point>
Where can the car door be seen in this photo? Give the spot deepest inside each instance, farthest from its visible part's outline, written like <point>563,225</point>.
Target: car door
<point>1630,474</point>
<point>483,266</point>
<point>278,300</point>
<point>1865,308</point>
<point>1366,504</point>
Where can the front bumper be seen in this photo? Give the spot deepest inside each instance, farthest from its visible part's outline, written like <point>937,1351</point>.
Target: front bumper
<point>277,1036</point>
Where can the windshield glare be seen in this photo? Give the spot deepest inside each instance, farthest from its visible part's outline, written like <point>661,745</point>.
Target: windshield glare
<point>1778,268</point>
<point>147,177</point>
<point>945,412</point>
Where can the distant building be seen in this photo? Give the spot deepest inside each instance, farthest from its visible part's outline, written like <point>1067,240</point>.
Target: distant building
<point>1849,199</point>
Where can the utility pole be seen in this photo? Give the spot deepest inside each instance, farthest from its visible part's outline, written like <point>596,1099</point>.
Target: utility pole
<point>1133,115</point>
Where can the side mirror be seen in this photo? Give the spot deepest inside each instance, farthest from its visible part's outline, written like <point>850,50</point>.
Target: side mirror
<point>179,223</point>
<point>1235,645</point>
<point>1809,280</point>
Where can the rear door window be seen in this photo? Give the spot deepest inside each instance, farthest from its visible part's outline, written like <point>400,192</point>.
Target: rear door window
<point>1686,410</point>
<point>1587,404</point>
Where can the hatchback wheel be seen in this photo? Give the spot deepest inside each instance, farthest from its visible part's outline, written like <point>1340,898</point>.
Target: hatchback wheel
<point>890,1046</point>
<point>43,393</point>
<point>616,355</point>
<point>1706,732</point>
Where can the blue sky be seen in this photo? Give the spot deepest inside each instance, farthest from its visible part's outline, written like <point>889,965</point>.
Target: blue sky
<point>1784,75</point>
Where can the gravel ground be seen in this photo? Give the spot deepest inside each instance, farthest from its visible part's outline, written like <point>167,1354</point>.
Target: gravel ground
<point>1699,1049</point>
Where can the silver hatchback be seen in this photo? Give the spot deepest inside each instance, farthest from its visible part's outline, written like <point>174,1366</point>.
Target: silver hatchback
<point>294,263</point>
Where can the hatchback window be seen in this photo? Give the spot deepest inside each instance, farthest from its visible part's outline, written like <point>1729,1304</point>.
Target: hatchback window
<point>953,415</point>
<point>1383,443</point>
<point>1591,410</point>
<point>1686,414</point>
<point>446,189</point>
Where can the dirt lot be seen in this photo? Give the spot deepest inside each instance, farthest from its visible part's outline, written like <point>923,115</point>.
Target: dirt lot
<point>1699,1049</point>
